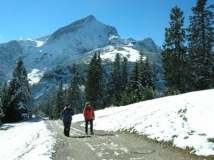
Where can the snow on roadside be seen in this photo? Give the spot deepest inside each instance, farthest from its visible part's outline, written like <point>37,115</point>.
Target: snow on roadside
<point>26,140</point>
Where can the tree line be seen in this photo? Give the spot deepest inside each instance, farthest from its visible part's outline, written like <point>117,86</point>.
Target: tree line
<point>188,53</point>
<point>103,86</point>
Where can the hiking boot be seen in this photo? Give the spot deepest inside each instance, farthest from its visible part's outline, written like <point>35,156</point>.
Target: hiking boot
<point>67,135</point>
<point>92,133</point>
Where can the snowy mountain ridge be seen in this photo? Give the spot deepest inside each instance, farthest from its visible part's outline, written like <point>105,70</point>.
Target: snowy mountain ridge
<point>48,58</point>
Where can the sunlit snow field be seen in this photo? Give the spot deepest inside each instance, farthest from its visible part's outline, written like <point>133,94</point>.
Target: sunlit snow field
<point>185,120</point>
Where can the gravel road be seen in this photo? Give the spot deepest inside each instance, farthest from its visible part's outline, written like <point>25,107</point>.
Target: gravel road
<point>110,146</point>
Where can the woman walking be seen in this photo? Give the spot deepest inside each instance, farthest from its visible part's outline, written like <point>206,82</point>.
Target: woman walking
<point>89,116</point>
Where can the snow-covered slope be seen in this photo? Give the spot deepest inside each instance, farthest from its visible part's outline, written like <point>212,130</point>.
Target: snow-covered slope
<point>184,120</point>
<point>48,58</point>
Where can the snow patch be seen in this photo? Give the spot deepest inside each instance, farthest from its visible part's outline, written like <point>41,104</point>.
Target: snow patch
<point>34,76</point>
<point>27,140</point>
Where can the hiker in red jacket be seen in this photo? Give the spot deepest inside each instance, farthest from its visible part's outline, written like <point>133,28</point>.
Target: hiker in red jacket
<point>89,116</point>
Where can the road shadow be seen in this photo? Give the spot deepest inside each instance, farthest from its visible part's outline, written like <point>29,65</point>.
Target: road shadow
<point>94,135</point>
<point>86,136</point>
<point>105,134</point>
<point>142,150</point>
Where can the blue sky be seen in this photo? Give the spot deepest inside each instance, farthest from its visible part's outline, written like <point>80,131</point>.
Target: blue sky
<point>137,19</point>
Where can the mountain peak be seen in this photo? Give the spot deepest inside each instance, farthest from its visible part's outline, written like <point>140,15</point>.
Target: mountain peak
<point>90,17</point>
<point>71,28</point>
<point>85,26</point>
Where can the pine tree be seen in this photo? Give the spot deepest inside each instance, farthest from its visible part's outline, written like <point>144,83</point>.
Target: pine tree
<point>19,97</point>
<point>115,89</point>
<point>46,105</point>
<point>3,97</point>
<point>124,74</point>
<point>154,77</point>
<point>1,111</point>
<point>148,76</point>
<point>101,80</point>
<point>59,103</point>
<point>145,72</point>
<point>91,82</point>
<point>148,94</point>
<point>94,82</point>
<point>201,44</point>
<point>174,51</point>
<point>1,105</point>
<point>142,68</point>
<point>73,69</point>
<point>75,97</point>
<point>134,89</point>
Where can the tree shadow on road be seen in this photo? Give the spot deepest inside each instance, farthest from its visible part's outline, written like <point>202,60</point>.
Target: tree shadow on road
<point>90,136</point>
<point>105,134</point>
<point>86,136</point>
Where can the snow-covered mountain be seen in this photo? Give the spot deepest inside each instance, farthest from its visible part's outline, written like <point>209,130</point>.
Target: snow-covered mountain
<point>48,58</point>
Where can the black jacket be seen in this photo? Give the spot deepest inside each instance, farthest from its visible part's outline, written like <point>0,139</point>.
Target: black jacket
<point>67,115</point>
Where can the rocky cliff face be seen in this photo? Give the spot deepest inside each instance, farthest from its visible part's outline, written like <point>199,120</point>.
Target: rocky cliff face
<point>47,59</point>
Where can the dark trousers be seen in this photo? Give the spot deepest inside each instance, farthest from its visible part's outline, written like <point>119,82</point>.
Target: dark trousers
<point>67,126</point>
<point>86,126</point>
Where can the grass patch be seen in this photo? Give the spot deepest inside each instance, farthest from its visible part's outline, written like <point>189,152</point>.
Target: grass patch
<point>202,134</point>
<point>182,111</point>
<point>174,136</point>
<point>211,140</point>
<point>191,132</point>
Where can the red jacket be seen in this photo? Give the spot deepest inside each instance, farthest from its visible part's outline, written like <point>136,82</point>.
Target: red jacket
<point>88,113</point>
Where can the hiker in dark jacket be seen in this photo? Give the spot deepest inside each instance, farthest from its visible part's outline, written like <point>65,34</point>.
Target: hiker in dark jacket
<point>67,114</point>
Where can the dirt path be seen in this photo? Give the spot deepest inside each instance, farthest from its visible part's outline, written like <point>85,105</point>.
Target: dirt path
<point>110,146</point>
